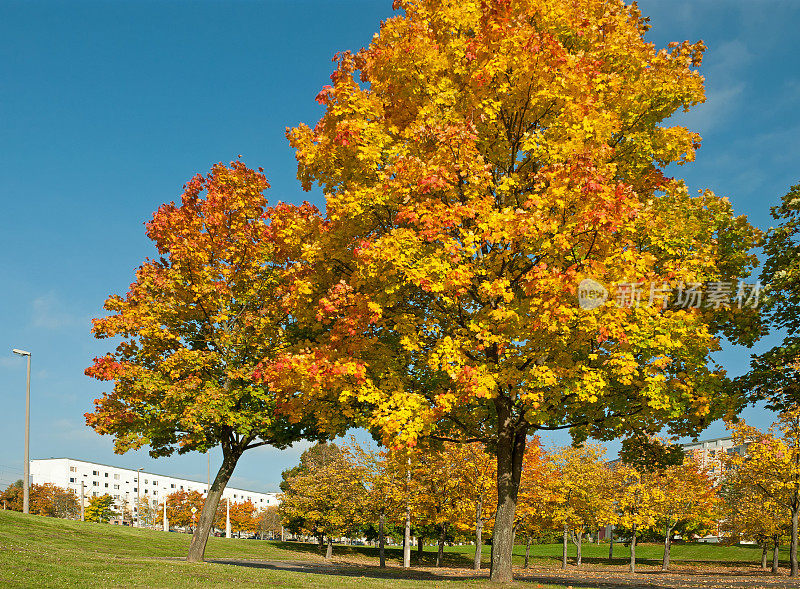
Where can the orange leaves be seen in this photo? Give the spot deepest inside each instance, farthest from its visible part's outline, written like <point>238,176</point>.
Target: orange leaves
<point>196,322</point>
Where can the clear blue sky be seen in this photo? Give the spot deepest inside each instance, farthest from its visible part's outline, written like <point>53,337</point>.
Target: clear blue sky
<point>107,108</point>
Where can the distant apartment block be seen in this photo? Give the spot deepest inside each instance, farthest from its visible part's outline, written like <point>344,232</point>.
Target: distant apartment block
<point>126,485</point>
<point>709,454</point>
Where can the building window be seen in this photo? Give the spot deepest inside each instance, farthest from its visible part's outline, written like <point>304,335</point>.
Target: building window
<point>94,494</point>
<point>116,476</point>
<point>155,492</point>
<point>96,472</point>
<point>116,486</point>
<point>155,483</point>
<point>73,469</point>
<point>106,475</point>
<point>106,485</point>
<point>145,481</point>
<point>135,489</point>
<point>95,484</point>
<point>173,486</point>
<point>71,479</point>
<point>145,491</point>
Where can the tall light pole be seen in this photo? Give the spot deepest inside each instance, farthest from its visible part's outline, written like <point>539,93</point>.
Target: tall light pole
<point>138,497</point>
<point>166,521</point>
<point>26,481</point>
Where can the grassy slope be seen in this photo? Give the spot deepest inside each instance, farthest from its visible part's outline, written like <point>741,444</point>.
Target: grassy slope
<point>46,552</point>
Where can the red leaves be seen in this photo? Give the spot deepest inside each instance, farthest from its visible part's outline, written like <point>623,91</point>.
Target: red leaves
<point>323,95</point>
<point>432,182</point>
<point>105,368</point>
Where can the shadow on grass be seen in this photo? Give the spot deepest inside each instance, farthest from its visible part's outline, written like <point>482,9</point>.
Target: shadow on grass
<point>336,569</point>
<point>394,554</point>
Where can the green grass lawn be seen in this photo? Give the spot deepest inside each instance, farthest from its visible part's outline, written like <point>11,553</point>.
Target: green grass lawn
<point>46,552</point>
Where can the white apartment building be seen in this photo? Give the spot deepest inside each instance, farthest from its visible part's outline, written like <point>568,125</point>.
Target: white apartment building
<point>126,485</point>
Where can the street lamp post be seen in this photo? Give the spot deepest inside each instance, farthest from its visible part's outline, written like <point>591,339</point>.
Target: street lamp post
<point>26,481</point>
<point>166,521</point>
<point>138,497</point>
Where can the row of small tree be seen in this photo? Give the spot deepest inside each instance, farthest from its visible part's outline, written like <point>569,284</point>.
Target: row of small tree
<point>447,492</point>
<point>54,501</point>
<point>46,499</point>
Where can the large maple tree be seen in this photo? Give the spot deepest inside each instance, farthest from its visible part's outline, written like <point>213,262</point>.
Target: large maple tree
<point>193,325</point>
<point>480,159</point>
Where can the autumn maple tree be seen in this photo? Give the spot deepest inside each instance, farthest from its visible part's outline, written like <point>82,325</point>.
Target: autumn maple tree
<point>770,469</point>
<point>538,495</point>
<point>688,499</point>
<point>193,326</point>
<point>480,159</point>
<point>747,516</point>
<point>100,509</point>
<point>179,508</point>
<point>583,494</point>
<point>636,498</point>
<point>46,499</point>
<point>385,477</point>
<point>325,495</point>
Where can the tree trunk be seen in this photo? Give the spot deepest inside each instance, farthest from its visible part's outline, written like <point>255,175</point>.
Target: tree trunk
<point>321,543</point>
<point>611,544</point>
<point>633,549</point>
<point>407,530</point>
<point>764,552</point>
<point>667,545</point>
<point>381,541</point>
<point>775,555</point>
<point>527,550</point>
<point>510,450</point>
<point>420,548</point>
<point>564,547</point>
<point>197,548</point>
<point>793,545</point>
<point>329,551</point>
<point>442,538</point>
<point>578,544</point>
<point>478,535</point>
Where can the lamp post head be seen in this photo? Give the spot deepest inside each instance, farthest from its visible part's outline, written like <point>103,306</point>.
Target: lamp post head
<point>21,352</point>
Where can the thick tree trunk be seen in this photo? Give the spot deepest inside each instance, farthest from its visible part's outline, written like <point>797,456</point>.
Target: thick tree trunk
<point>527,551</point>
<point>667,545</point>
<point>775,555</point>
<point>564,545</point>
<point>793,545</point>
<point>442,538</point>
<point>764,552</point>
<point>633,549</point>
<point>381,541</point>
<point>321,543</point>
<point>329,551</point>
<point>197,548</point>
<point>611,544</point>
<point>578,544</point>
<point>420,548</point>
<point>478,535</point>
<point>510,450</point>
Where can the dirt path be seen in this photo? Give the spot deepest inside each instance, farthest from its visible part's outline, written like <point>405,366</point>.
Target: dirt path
<point>595,577</point>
